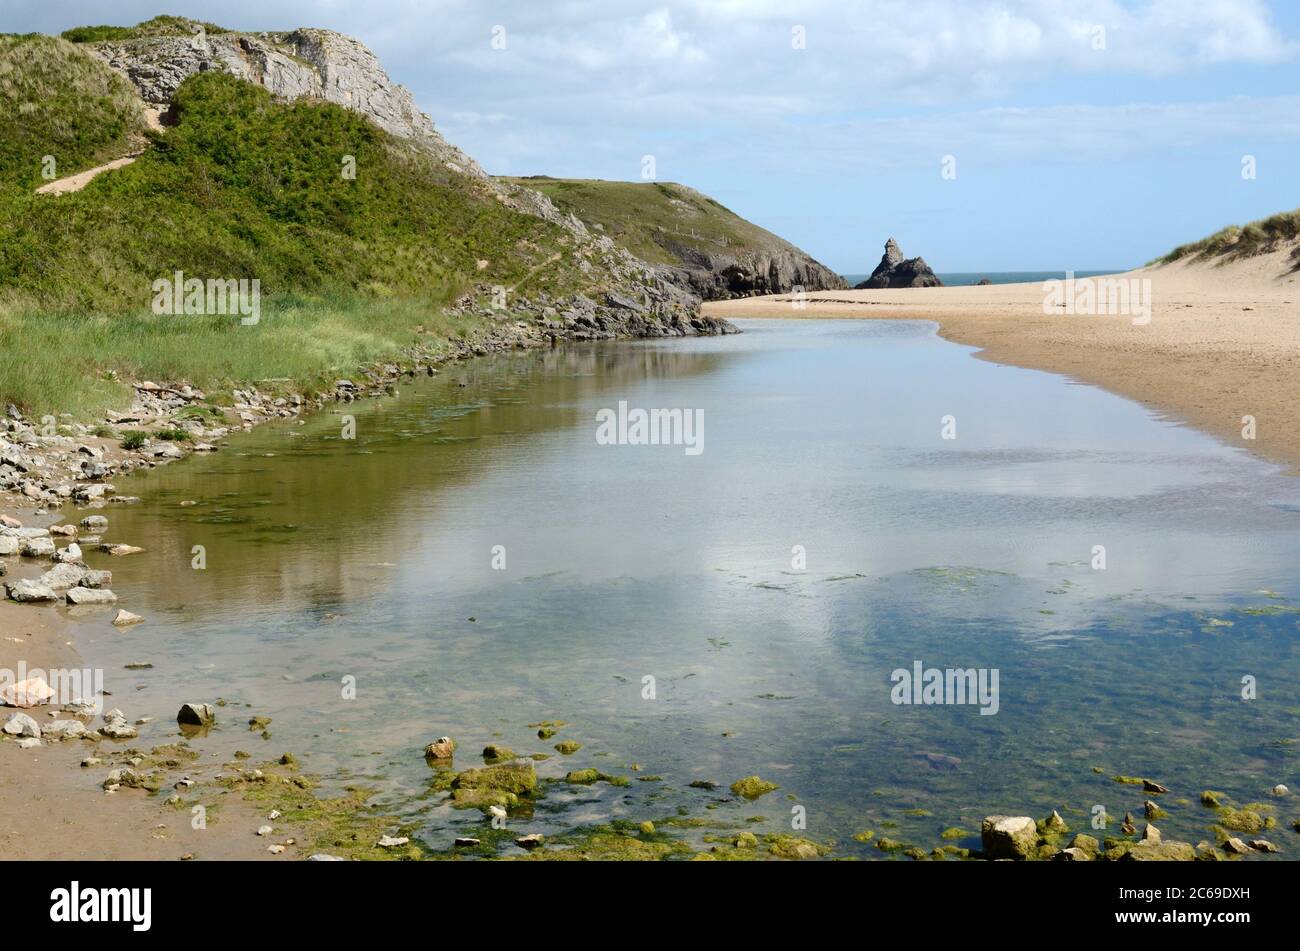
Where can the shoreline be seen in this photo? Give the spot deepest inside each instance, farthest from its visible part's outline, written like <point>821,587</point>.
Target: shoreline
<point>1223,341</point>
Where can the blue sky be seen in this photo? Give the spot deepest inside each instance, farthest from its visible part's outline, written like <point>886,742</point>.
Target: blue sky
<point>1073,149</point>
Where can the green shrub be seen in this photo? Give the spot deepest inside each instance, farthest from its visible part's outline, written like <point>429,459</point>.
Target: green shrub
<point>134,439</point>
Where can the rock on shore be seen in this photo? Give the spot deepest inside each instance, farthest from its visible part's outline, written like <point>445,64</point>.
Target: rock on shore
<point>895,270</point>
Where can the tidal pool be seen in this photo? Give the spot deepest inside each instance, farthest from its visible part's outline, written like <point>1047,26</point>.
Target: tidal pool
<point>376,561</point>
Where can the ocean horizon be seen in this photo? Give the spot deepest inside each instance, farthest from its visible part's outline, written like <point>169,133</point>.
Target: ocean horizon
<point>967,278</point>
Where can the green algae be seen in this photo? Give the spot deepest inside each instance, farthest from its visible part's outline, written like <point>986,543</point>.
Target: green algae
<point>568,747</point>
<point>751,787</point>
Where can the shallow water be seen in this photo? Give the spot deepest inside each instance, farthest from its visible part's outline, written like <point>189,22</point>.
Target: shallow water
<point>373,559</point>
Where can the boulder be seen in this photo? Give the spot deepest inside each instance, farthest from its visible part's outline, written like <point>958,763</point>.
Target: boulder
<point>1009,837</point>
<point>20,724</point>
<point>69,556</point>
<point>518,777</point>
<point>90,596</point>
<point>37,548</point>
<point>196,714</point>
<point>31,692</point>
<point>27,591</point>
<point>441,748</point>
<point>63,576</point>
<point>125,618</point>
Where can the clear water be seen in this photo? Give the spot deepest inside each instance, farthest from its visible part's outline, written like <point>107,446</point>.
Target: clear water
<point>368,558</point>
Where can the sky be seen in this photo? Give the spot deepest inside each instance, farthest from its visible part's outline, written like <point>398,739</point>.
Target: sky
<point>985,136</point>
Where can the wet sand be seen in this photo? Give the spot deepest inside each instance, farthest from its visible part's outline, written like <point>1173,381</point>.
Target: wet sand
<point>1223,341</point>
<point>51,808</point>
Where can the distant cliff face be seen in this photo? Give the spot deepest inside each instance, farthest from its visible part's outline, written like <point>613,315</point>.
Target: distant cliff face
<point>322,64</point>
<point>693,240</point>
<point>720,276</point>
<point>895,270</point>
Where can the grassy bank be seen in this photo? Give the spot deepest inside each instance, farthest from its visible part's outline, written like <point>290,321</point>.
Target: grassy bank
<point>76,363</point>
<point>242,187</point>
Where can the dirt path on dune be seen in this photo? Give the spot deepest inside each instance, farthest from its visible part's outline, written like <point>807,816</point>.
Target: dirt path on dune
<point>75,183</point>
<point>1223,341</point>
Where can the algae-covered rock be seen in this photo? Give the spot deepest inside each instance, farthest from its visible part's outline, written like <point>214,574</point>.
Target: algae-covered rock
<point>518,777</point>
<point>495,753</point>
<point>646,828</point>
<point>1150,852</point>
<point>1009,837</point>
<point>1249,818</point>
<point>1211,798</point>
<point>482,798</point>
<point>568,747</point>
<point>1055,823</point>
<point>793,847</point>
<point>582,776</point>
<point>745,840</point>
<point>751,787</point>
<point>1086,843</point>
<point>886,844</point>
<point>1073,855</point>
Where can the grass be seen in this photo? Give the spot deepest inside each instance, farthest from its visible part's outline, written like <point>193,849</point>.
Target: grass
<point>1242,241</point>
<point>58,100</point>
<point>245,187</point>
<point>158,26</point>
<point>79,364</point>
<point>654,220</point>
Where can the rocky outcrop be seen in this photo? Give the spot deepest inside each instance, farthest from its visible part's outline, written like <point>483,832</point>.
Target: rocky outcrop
<point>322,64</point>
<point>895,270</point>
<point>750,273</point>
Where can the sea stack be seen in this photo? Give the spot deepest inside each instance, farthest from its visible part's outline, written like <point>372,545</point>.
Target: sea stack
<point>896,271</point>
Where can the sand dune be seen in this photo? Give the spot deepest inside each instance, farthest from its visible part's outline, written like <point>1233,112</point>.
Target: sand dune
<point>1222,341</point>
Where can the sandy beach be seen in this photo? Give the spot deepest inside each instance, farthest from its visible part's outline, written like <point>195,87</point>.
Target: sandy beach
<point>1222,343</point>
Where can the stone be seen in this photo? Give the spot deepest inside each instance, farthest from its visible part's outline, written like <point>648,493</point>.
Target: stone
<point>10,544</point>
<point>392,842</point>
<point>1263,845</point>
<point>120,550</point>
<point>1236,846</point>
<point>64,729</point>
<point>1158,852</point>
<point>20,724</point>
<point>265,830</point>
<point>1151,835</point>
<point>126,618</point>
<point>1280,790</point>
<point>1153,787</point>
<point>37,548</point>
<point>27,742</point>
<point>69,556</point>
<point>1055,823</point>
<point>467,842</point>
<point>1013,837</point>
<point>1073,855</point>
<point>27,591</point>
<point>95,523</point>
<point>32,692</point>
<point>196,714</point>
<point>444,747</point>
<point>63,576</point>
<point>895,270</point>
<point>531,841</point>
<point>324,857</point>
<point>90,596</point>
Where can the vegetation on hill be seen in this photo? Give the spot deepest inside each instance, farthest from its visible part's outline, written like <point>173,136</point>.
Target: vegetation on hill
<point>58,100</point>
<point>242,187</point>
<point>158,26</point>
<point>650,218</point>
<point>1242,241</point>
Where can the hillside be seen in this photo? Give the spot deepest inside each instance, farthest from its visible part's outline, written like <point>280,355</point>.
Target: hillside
<point>247,182</point>
<point>701,244</point>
